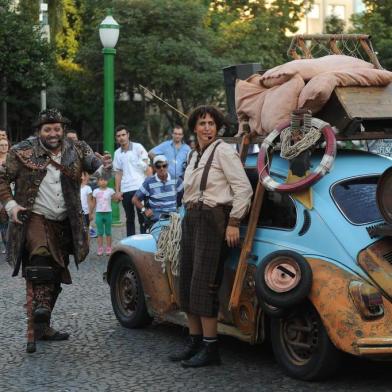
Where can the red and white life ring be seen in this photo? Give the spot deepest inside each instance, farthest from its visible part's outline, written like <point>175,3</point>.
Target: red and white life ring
<point>323,168</point>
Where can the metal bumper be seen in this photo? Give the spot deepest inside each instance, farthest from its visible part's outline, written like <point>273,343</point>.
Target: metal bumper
<point>375,346</point>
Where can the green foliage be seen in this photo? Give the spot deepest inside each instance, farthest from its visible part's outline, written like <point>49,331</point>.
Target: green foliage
<point>25,62</point>
<point>377,21</point>
<point>175,48</point>
<point>67,39</point>
<point>168,50</point>
<point>255,31</point>
<point>163,46</point>
<point>334,25</point>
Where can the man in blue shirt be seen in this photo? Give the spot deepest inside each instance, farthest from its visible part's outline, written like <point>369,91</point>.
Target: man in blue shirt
<point>175,150</point>
<point>162,192</point>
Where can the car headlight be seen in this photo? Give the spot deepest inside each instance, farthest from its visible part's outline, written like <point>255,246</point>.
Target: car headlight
<point>367,299</point>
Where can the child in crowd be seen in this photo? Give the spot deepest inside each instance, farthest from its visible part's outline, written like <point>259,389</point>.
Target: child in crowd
<point>102,197</point>
<point>86,200</point>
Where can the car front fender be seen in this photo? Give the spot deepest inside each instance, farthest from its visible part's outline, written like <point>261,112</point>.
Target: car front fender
<point>158,296</point>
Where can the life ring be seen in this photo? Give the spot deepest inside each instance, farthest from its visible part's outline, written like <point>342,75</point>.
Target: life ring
<point>283,279</point>
<point>323,168</point>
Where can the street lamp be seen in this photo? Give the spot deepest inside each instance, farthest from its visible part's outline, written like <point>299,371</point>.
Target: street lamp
<point>109,31</point>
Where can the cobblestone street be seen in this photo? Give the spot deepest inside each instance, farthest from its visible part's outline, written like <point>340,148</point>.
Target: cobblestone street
<point>103,356</point>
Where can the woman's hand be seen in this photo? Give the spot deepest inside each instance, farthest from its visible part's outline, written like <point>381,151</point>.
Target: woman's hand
<point>232,236</point>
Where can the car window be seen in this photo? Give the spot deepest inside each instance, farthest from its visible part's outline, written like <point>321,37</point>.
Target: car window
<point>356,199</point>
<point>278,209</point>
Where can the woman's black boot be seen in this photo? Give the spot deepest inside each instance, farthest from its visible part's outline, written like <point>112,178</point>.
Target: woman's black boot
<point>192,346</point>
<point>208,355</point>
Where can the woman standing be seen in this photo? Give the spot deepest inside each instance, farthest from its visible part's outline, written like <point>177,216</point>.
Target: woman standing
<point>4,147</point>
<point>217,195</point>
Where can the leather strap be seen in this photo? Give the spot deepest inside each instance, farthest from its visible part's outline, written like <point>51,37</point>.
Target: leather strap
<point>207,167</point>
<point>62,168</point>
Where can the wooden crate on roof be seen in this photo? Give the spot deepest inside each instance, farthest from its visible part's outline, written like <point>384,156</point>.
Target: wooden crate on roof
<point>360,111</point>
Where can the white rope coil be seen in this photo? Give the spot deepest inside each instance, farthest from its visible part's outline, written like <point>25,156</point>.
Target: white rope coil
<point>290,151</point>
<point>169,245</point>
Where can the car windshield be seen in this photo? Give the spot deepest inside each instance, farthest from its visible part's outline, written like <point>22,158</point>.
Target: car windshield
<point>356,199</point>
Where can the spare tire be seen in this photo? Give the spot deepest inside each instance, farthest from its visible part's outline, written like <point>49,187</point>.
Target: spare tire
<point>283,279</point>
<point>273,311</point>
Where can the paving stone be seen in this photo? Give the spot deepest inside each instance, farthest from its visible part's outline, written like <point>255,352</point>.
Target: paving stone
<point>103,356</point>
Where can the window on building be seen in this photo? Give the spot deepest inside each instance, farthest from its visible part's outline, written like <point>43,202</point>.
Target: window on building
<point>314,12</point>
<point>337,10</point>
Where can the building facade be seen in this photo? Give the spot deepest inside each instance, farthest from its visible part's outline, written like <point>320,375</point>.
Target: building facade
<point>313,23</point>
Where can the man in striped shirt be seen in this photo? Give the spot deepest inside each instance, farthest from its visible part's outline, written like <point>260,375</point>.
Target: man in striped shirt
<point>162,192</point>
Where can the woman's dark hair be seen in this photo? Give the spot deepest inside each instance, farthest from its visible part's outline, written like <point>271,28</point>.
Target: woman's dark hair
<point>201,112</point>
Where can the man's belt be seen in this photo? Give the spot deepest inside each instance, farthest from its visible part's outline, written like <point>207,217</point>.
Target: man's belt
<point>202,206</point>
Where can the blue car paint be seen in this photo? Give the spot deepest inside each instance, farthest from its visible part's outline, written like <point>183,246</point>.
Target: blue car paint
<point>143,242</point>
<point>330,236</point>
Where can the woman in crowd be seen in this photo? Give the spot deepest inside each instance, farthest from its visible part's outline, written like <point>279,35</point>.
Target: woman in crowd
<point>4,147</point>
<point>217,195</point>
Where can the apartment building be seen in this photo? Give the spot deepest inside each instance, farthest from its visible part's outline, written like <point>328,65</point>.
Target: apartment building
<point>313,23</point>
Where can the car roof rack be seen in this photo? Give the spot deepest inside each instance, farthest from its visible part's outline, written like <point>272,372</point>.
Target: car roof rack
<point>359,113</point>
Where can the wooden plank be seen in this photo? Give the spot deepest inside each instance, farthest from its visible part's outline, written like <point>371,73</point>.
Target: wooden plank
<point>247,246</point>
<point>307,53</point>
<point>244,147</point>
<point>253,139</point>
<point>367,47</point>
<point>366,102</point>
<point>364,136</point>
<point>334,47</point>
<point>339,136</point>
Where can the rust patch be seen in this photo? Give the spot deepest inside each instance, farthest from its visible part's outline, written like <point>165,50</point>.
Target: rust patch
<point>330,296</point>
<point>244,315</point>
<point>159,298</point>
<point>373,260</point>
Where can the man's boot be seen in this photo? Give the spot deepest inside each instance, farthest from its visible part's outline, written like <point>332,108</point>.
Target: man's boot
<point>208,355</point>
<point>42,299</point>
<point>50,334</point>
<point>47,332</point>
<point>192,346</point>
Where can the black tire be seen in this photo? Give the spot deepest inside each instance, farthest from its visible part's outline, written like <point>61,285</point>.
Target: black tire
<point>273,311</point>
<point>319,360</point>
<point>286,299</point>
<point>127,295</point>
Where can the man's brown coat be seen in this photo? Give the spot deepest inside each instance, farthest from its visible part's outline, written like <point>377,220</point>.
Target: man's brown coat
<point>26,167</point>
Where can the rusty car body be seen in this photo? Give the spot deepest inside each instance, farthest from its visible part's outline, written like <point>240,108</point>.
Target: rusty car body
<point>349,306</point>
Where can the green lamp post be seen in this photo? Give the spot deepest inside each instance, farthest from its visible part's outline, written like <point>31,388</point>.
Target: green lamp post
<point>109,31</point>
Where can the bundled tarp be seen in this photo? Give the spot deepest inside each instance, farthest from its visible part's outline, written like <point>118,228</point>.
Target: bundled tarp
<point>267,100</point>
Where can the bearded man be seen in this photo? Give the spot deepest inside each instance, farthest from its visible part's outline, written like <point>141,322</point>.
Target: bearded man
<point>46,221</point>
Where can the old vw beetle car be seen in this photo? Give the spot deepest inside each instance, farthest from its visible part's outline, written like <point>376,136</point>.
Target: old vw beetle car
<point>317,284</point>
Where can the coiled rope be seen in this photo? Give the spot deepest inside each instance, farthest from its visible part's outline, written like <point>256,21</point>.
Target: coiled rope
<point>303,137</point>
<point>168,245</point>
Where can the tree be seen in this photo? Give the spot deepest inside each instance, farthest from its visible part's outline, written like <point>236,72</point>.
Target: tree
<point>334,25</point>
<point>25,64</point>
<point>68,37</point>
<point>255,31</point>
<point>376,21</point>
<point>175,48</point>
<point>163,46</point>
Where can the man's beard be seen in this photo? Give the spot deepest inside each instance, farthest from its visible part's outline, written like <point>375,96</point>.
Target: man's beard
<point>51,145</point>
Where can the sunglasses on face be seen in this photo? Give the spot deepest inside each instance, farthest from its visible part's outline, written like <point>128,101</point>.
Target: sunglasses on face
<point>164,166</point>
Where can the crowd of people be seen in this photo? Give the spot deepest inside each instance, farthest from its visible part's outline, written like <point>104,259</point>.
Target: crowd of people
<point>48,205</point>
